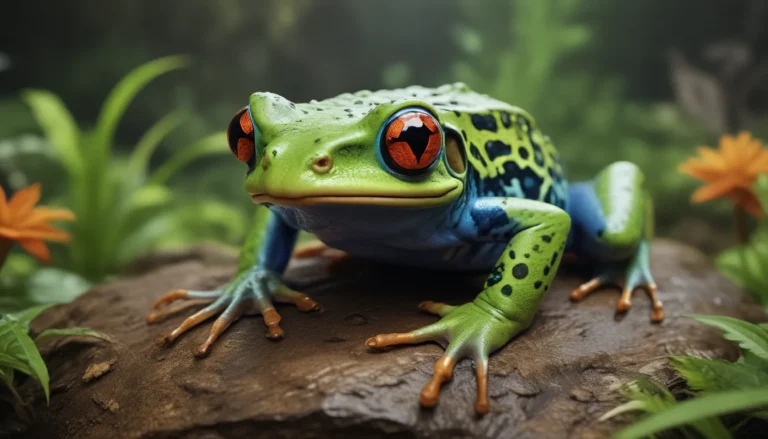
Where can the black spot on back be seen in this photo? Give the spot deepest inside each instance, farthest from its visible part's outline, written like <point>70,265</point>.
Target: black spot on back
<point>506,290</point>
<point>538,155</point>
<point>475,151</point>
<point>505,119</point>
<point>484,122</point>
<point>497,148</point>
<point>530,182</point>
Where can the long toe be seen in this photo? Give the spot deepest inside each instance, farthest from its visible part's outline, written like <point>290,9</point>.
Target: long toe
<point>430,394</point>
<point>272,320</point>
<point>587,287</point>
<point>194,320</point>
<point>481,370</point>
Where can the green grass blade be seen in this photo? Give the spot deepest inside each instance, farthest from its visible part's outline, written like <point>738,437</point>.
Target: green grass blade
<point>749,336</point>
<point>696,409</point>
<point>7,361</point>
<point>67,332</point>
<point>213,144</point>
<point>761,191</point>
<point>26,316</point>
<point>718,374</point>
<point>138,163</point>
<point>33,358</point>
<point>123,94</point>
<point>59,127</point>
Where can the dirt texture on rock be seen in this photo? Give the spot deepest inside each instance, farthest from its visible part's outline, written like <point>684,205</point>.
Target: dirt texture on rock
<point>554,380</point>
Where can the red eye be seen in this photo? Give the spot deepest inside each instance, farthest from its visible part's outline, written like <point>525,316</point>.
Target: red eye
<point>411,141</point>
<point>241,137</point>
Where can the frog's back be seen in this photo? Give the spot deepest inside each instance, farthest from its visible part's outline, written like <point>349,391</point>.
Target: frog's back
<point>507,154</point>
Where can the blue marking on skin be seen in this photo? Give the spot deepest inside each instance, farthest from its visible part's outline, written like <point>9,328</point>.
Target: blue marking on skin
<point>487,219</point>
<point>279,240</point>
<point>529,183</point>
<point>588,219</point>
<point>515,190</point>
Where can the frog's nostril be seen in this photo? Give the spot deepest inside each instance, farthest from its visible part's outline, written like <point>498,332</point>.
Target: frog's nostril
<point>322,164</point>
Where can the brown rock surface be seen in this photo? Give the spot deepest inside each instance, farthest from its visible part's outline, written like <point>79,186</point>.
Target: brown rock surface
<point>554,380</point>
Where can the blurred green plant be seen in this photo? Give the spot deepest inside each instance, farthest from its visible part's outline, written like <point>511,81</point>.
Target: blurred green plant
<point>718,387</point>
<point>122,207</point>
<point>747,265</point>
<point>19,352</point>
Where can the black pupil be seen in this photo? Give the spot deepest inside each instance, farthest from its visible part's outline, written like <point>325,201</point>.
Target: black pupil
<point>417,137</point>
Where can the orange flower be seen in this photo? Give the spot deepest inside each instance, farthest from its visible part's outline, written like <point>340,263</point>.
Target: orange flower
<point>730,171</point>
<point>26,224</point>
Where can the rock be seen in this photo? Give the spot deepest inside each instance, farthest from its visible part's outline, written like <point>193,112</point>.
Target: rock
<point>96,370</point>
<point>108,405</point>
<point>554,380</point>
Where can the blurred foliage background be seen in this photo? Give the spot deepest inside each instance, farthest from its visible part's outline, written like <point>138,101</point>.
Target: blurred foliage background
<point>645,81</point>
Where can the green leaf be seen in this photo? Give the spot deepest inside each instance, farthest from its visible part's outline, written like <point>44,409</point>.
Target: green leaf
<point>58,125</point>
<point>21,346</point>
<point>746,265</point>
<point>123,94</point>
<point>692,410</point>
<point>748,357</point>
<point>7,361</point>
<point>748,335</point>
<point>24,318</point>
<point>149,196</point>
<point>53,286</point>
<point>761,191</point>
<point>210,145</point>
<point>718,374</point>
<point>138,163</point>
<point>651,397</point>
<point>65,332</point>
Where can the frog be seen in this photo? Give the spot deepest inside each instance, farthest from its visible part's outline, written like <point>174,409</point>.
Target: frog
<point>440,178</point>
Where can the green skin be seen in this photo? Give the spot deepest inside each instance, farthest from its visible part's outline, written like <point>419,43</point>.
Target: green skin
<point>289,172</point>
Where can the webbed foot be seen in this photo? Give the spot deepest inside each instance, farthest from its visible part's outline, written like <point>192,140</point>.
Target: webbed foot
<point>638,275</point>
<point>249,294</point>
<point>469,331</point>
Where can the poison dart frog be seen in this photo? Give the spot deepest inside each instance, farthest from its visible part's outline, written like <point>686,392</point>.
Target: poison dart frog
<point>443,178</point>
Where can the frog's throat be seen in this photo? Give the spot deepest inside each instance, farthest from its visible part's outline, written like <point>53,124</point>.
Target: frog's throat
<point>396,200</point>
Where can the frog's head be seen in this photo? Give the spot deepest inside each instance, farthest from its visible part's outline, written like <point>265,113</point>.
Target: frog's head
<point>369,152</point>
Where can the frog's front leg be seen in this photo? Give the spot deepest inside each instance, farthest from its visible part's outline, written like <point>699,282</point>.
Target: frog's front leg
<point>536,233</point>
<point>257,283</point>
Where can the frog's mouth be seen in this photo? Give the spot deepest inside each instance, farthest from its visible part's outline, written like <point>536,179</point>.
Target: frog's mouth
<point>395,200</point>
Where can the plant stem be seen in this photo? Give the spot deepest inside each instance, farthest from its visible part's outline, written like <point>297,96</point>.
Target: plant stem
<point>5,248</point>
<point>740,223</point>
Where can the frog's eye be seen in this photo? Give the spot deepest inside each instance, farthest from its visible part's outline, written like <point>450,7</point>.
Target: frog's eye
<point>411,141</point>
<point>242,137</point>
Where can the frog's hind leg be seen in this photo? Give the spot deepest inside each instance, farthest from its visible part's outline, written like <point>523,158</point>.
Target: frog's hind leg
<point>613,225</point>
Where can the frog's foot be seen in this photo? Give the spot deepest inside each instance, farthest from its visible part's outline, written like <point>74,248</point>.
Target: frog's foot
<point>469,331</point>
<point>638,275</point>
<point>318,248</point>
<point>250,293</point>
